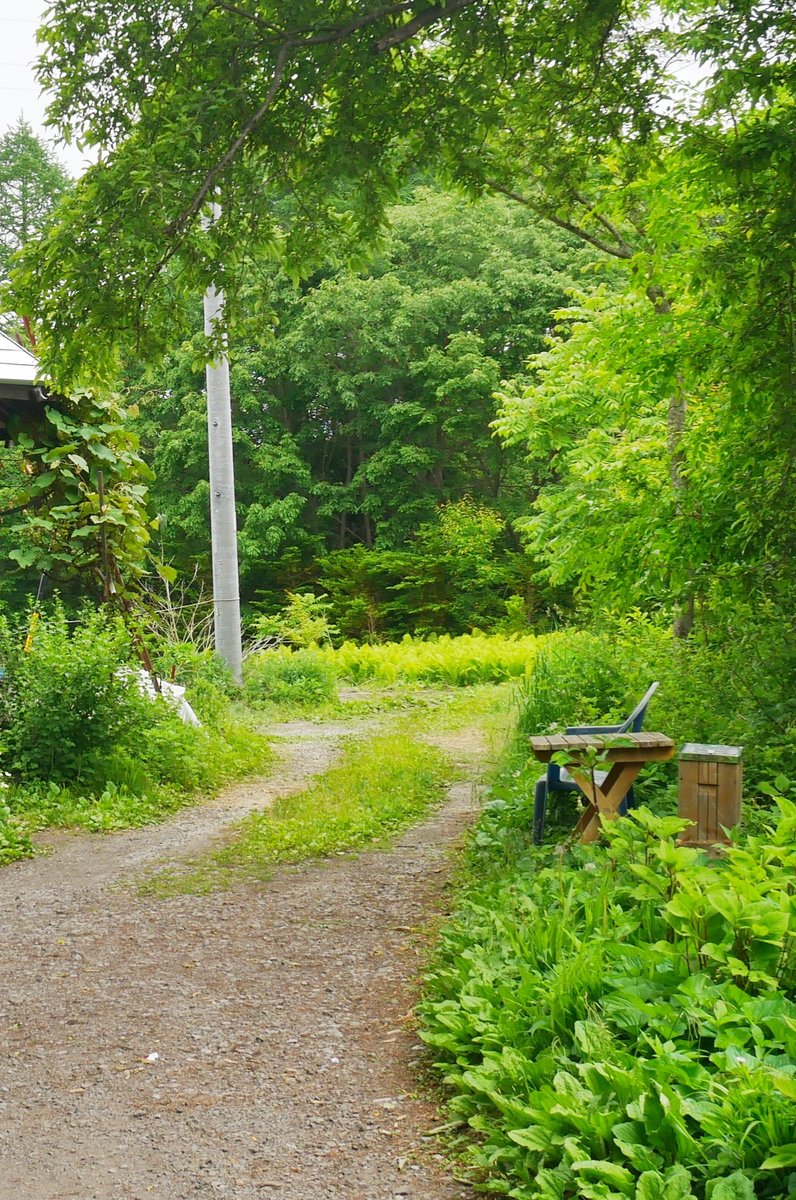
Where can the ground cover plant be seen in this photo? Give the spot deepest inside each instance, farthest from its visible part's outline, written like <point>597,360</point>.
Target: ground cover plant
<point>455,661</point>
<point>379,787</point>
<point>283,676</point>
<point>81,745</point>
<point>619,1022</point>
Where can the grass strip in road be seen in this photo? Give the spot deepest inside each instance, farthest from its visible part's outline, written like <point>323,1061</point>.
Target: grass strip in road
<point>378,788</point>
<point>375,790</point>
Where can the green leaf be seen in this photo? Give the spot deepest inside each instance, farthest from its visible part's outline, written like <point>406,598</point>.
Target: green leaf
<point>784,1156</point>
<point>675,1184</point>
<point>784,1083</point>
<point>733,1187</point>
<point>26,556</point>
<point>606,1172</point>
<point>43,480</point>
<point>167,573</point>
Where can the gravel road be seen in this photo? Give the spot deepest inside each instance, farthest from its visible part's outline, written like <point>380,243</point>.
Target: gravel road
<point>249,1043</point>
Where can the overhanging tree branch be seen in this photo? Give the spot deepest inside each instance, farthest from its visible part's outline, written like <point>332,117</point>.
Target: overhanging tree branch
<point>616,250</point>
<point>421,21</point>
<point>293,42</point>
<point>211,178</point>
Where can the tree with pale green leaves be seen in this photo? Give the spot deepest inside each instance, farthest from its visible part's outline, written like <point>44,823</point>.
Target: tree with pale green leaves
<point>596,416</point>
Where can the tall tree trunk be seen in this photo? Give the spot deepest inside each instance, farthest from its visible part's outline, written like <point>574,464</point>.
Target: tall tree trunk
<point>683,620</point>
<point>367,524</point>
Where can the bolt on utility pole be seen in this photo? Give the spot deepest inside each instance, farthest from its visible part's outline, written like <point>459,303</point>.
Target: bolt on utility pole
<point>223,526</point>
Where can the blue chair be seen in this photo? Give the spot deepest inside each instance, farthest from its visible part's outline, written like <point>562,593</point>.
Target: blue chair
<point>558,779</point>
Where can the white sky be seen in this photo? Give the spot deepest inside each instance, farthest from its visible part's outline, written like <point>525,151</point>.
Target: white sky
<point>19,94</point>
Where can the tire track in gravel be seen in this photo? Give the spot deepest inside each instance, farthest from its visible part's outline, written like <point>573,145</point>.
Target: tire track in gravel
<point>81,864</point>
<point>242,1044</point>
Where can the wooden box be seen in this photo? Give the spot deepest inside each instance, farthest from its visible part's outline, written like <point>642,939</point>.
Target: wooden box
<point>711,783</point>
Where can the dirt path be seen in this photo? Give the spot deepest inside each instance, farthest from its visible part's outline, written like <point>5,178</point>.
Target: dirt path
<point>243,1044</point>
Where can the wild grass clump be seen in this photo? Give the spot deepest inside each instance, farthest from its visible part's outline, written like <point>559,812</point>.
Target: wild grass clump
<point>303,678</point>
<point>578,677</point>
<point>620,1023</point>
<point>82,745</point>
<point>449,661</point>
<point>377,789</point>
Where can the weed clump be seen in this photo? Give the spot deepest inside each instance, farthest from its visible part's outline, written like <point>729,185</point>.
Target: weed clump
<point>82,745</point>
<point>302,677</point>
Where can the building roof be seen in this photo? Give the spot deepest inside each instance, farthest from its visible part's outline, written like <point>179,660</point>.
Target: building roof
<point>17,365</point>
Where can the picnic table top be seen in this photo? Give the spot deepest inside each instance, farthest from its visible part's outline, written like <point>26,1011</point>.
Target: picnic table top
<point>617,747</point>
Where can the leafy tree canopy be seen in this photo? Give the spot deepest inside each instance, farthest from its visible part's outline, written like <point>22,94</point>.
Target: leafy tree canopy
<point>251,101</point>
<point>303,117</point>
<point>597,417</point>
<point>364,409</point>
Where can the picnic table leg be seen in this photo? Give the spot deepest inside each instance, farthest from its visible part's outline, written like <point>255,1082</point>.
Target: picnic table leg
<point>603,800</point>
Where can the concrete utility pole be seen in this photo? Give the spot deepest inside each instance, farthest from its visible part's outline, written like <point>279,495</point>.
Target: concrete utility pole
<point>223,527</point>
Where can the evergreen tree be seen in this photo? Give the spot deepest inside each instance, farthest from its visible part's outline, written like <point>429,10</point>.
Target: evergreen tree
<point>31,181</point>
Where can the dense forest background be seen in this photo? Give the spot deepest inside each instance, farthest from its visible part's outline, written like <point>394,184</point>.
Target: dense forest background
<point>367,466</point>
<point>554,383</point>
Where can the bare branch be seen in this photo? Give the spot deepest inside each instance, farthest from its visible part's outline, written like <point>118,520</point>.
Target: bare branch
<point>421,21</point>
<point>616,251</point>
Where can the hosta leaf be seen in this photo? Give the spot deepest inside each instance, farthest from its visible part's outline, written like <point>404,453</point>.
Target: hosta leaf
<point>604,1171</point>
<point>675,1184</point>
<point>535,1138</point>
<point>784,1083</point>
<point>632,1141</point>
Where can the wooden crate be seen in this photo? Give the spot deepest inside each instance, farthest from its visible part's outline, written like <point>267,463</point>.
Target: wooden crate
<point>711,783</point>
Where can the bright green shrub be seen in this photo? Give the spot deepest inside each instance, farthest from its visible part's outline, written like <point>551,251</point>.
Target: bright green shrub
<point>85,747</point>
<point>302,623</point>
<point>70,699</point>
<point>207,678</point>
<point>451,661</point>
<point>191,665</point>
<point>620,1023</point>
<point>284,676</point>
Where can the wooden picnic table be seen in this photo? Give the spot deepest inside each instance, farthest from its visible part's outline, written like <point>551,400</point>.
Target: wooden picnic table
<point>626,753</point>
